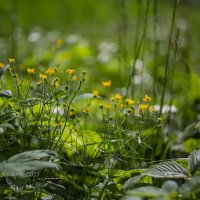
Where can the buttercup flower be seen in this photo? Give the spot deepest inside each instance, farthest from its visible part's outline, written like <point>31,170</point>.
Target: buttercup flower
<point>152,109</point>
<point>31,70</point>
<point>129,102</point>
<point>56,82</point>
<point>70,71</point>
<point>108,106</point>
<point>95,93</point>
<point>118,96</point>
<point>86,110</point>
<point>1,65</point>
<point>50,71</point>
<point>147,98</point>
<point>74,78</point>
<point>43,77</point>
<point>107,83</point>
<point>143,107</point>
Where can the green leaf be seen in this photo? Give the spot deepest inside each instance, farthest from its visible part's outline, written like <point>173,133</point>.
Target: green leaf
<point>168,169</point>
<point>5,93</point>
<point>190,187</point>
<point>18,164</point>
<point>147,191</point>
<point>3,69</point>
<point>194,161</point>
<point>9,126</point>
<point>130,183</point>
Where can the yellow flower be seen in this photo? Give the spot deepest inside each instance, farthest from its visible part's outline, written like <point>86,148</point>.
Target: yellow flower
<point>112,99</point>
<point>39,83</point>
<point>74,78</point>
<point>31,70</point>
<point>129,102</point>
<point>1,65</point>
<point>143,106</point>
<point>11,60</point>
<point>43,77</point>
<point>118,96</point>
<point>86,110</point>
<point>70,71</point>
<point>95,93</point>
<point>147,98</point>
<point>107,83</point>
<point>50,71</point>
<point>152,109</point>
<point>108,106</point>
<point>56,82</point>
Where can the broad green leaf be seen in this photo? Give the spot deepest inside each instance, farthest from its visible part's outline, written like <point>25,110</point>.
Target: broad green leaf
<point>191,144</point>
<point>132,181</point>
<point>194,161</point>
<point>18,164</point>
<point>147,191</point>
<point>190,187</point>
<point>168,169</point>
<point>5,93</point>
<point>6,125</point>
<point>170,186</point>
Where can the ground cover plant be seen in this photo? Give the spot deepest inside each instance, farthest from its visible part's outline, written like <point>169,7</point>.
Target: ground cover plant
<point>101,119</point>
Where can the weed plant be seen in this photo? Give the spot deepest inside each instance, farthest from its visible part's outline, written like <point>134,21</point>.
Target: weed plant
<point>59,141</point>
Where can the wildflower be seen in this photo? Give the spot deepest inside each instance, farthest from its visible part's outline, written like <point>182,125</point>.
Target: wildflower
<point>152,109</point>
<point>39,83</point>
<point>107,83</point>
<point>118,96</point>
<point>147,98</point>
<point>31,70</point>
<point>43,77</point>
<point>143,107</point>
<point>120,105</point>
<point>95,93</point>
<point>108,106</point>
<point>70,71</point>
<point>74,78</point>
<point>11,60</point>
<point>50,71</point>
<point>86,110</point>
<point>112,99</point>
<point>129,102</point>
<point>56,82</point>
<point>1,65</point>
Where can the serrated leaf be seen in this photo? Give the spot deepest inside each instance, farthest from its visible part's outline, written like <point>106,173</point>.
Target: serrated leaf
<point>5,93</point>
<point>168,169</point>
<point>194,161</point>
